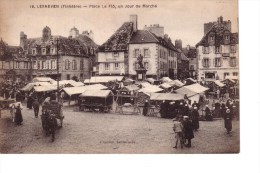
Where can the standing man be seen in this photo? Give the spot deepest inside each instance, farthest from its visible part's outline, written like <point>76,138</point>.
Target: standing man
<point>228,120</point>
<point>36,106</point>
<point>177,128</point>
<point>187,130</point>
<point>145,109</point>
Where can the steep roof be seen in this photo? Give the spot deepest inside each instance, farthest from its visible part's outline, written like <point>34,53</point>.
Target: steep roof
<point>219,30</point>
<point>11,52</point>
<point>67,46</point>
<point>119,40</point>
<point>143,36</point>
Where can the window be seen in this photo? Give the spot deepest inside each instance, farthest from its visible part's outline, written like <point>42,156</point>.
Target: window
<point>233,49</point>
<point>48,64</point>
<point>17,65</point>
<point>217,49</point>
<point>217,62</point>
<point>53,64</point>
<point>43,50</point>
<point>146,65</point>
<point>191,67</point>
<point>68,76</point>
<point>233,62</point>
<point>137,52</point>
<point>34,51</point>
<point>235,73</point>
<point>106,66</point>
<point>226,74</point>
<point>116,66</point>
<point>38,64</point>
<point>34,65</point>
<point>92,51</point>
<point>210,75</point>
<point>211,38</point>
<point>146,53</point>
<point>205,62</point>
<point>205,50</point>
<point>226,37</point>
<point>25,65</point>
<point>52,51</point>
<point>81,64</point>
<point>115,54</point>
<point>74,65</point>
<point>67,64</point>
<point>44,64</point>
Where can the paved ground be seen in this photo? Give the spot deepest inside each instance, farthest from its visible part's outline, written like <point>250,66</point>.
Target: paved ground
<point>85,132</point>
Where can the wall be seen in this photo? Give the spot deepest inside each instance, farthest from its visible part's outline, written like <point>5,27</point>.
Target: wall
<point>111,59</point>
<point>225,61</point>
<point>152,59</point>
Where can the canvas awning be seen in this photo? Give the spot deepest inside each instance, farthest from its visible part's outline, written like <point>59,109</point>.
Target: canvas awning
<point>232,77</point>
<point>103,79</point>
<point>166,96</point>
<point>165,85</point>
<point>45,88</point>
<point>150,89</point>
<point>42,79</point>
<point>166,79</point>
<point>186,91</point>
<point>218,83</point>
<point>178,83</point>
<point>151,80</point>
<point>79,90</point>
<point>131,88</point>
<point>197,88</point>
<point>28,87</point>
<point>96,93</point>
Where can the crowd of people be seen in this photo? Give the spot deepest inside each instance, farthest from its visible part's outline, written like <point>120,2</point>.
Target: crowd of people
<point>186,119</point>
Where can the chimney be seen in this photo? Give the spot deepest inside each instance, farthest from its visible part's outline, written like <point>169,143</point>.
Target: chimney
<point>221,19</point>
<point>23,40</point>
<point>74,32</point>
<point>188,47</point>
<point>178,44</point>
<point>91,35</point>
<point>133,18</point>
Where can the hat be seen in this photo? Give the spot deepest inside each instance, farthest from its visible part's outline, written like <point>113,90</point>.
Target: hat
<point>207,105</point>
<point>228,111</point>
<point>195,107</point>
<point>181,103</point>
<point>185,117</point>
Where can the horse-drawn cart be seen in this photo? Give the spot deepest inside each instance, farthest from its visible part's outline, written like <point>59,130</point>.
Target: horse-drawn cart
<point>51,114</point>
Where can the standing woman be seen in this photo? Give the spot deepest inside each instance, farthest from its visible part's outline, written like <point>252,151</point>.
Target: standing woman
<point>187,130</point>
<point>30,101</point>
<point>195,119</point>
<point>145,110</point>
<point>18,115</point>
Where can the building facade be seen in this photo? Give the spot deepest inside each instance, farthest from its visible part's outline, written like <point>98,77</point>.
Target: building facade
<point>14,65</point>
<point>75,54</point>
<point>191,53</point>
<point>182,62</point>
<point>118,55</point>
<point>217,52</point>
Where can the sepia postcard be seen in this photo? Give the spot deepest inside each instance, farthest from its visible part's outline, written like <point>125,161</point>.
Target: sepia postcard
<point>119,77</point>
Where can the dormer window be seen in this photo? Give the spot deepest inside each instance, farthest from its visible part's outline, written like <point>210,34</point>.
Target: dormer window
<point>115,54</point>
<point>52,50</point>
<point>211,38</point>
<point>226,37</point>
<point>43,50</point>
<point>34,51</point>
<point>91,51</point>
<point>217,49</point>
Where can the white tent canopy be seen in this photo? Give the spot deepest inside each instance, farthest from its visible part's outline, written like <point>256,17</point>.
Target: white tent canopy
<point>218,83</point>
<point>197,88</point>
<point>43,79</point>
<point>165,96</point>
<point>96,93</point>
<point>178,83</point>
<point>71,82</point>
<point>150,89</point>
<point>232,77</point>
<point>45,88</point>
<point>79,90</point>
<point>166,79</point>
<point>103,79</point>
<point>165,85</point>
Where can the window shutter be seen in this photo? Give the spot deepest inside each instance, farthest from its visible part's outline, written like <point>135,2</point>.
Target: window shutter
<point>209,62</point>
<point>149,53</point>
<point>220,49</point>
<point>237,61</point>
<point>203,63</point>
<point>214,62</point>
<point>221,62</point>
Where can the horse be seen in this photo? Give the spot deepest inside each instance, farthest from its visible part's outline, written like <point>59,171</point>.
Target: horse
<point>49,123</point>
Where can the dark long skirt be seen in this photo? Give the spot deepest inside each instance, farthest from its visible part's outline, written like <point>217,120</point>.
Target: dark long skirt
<point>228,124</point>
<point>195,124</point>
<point>145,111</point>
<point>18,117</point>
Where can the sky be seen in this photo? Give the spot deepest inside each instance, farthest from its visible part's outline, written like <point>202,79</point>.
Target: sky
<point>182,19</point>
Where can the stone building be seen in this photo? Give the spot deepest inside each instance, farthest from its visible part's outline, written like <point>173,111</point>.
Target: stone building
<point>191,53</point>
<point>217,52</point>
<point>75,54</point>
<point>118,55</point>
<point>14,65</point>
<point>182,61</point>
